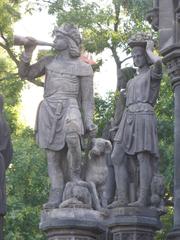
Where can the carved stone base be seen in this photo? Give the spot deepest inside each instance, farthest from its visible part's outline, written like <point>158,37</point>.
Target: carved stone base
<point>174,235</point>
<point>72,224</point>
<point>133,223</point>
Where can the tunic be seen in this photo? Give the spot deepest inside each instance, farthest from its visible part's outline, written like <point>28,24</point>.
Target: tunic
<point>138,128</point>
<point>68,99</point>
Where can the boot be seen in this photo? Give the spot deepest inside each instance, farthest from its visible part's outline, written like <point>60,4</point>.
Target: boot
<point>54,200</point>
<point>122,201</point>
<point>142,200</point>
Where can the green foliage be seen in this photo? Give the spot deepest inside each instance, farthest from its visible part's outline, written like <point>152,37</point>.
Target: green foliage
<point>167,222</point>
<point>165,116</point>
<point>103,25</point>
<point>10,88</point>
<point>9,14</point>
<point>104,109</point>
<point>27,187</point>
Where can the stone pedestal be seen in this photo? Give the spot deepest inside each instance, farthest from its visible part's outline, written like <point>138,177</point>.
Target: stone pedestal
<point>174,235</point>
<point>72,224</point>
<point>132,223</point>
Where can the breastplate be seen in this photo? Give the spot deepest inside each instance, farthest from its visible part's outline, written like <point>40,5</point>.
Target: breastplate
<point>60,83</point>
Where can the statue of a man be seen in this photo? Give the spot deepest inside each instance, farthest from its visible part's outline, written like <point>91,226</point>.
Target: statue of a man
<point>136,143</point>
<point>66,113</point>
<point>5,158</point>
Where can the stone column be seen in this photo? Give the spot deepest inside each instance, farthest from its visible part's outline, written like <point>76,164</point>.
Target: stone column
<point>172,60</point>
<point>131,223</point>
<point>72,224</point>
<point>1,227</point>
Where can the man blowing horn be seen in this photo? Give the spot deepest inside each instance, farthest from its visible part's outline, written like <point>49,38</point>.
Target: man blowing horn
<point>66,113</point>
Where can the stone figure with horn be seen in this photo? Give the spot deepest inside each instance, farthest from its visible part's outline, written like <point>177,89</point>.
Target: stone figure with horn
<point>66,112</point>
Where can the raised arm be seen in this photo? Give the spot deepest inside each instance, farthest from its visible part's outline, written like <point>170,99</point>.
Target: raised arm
<point>156,60</point>
<point>27,71</point>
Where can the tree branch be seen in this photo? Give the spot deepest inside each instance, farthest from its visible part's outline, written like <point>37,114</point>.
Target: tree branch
<point>117,5</point>
<point>7,47</point>
<point>125,59</point>
<point>116,57</point>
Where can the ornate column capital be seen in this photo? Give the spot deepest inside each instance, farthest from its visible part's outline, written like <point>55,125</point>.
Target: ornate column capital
<point>153,18</point>
<point>172,61</point>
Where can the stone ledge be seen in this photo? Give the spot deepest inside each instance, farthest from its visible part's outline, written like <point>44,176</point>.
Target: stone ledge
<point>68,218</point>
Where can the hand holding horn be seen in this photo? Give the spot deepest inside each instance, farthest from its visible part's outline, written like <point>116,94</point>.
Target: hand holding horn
<point>29,41</point>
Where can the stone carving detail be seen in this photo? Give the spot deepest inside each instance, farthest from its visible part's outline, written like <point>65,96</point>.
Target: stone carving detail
<point>133,236</point>
<point>135,154</point>
<point>153,16</point>
<point>157,193</point>
<point>64,117</point>
<point>144,236</point>
<point>173,66</point>
<point>128,236</point>
<point>96,169</point>
<point>72,238</point>
<point>91,192</point>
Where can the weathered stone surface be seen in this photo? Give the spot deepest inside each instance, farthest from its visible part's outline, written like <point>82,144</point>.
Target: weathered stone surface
<point>135,154</point>
<point>69,223</point>
<point>172,60</point>
<point>66,113</point>
<point>133,223</point>
<point>166,23</point>
<point>174,235</point>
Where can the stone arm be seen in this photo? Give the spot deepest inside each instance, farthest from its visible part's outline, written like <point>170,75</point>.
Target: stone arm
<point>87,102</point>
<point>120,100</point>
<point>156,60</point>
<point>30,72</point>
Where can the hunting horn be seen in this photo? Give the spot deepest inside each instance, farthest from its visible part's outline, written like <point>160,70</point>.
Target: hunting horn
<point>20,41</point>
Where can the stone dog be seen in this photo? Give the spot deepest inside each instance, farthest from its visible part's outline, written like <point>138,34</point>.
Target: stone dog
<point>96,170</point>
<point>90,193</point>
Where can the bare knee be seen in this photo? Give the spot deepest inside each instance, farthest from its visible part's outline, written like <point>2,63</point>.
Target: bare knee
<point>72,140</point>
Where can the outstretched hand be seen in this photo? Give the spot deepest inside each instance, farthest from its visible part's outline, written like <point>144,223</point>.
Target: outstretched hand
<point>30,44</point>
<point>150,45</point>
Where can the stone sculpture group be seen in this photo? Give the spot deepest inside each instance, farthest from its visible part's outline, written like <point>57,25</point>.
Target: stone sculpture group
<point>92,178</point>
<point>65,116</point>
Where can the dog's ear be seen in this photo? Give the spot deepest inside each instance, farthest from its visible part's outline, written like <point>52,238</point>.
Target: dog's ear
<point>108,147</point>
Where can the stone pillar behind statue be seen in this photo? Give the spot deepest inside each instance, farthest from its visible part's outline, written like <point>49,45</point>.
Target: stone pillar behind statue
<point>172,60</point>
